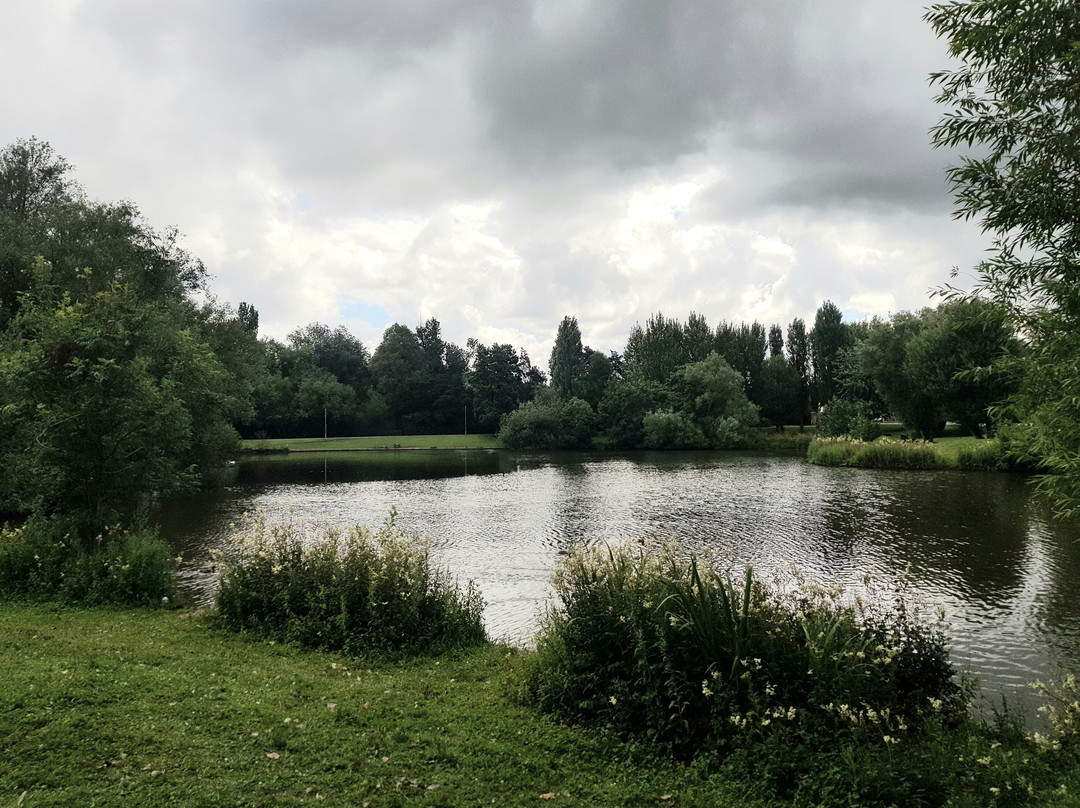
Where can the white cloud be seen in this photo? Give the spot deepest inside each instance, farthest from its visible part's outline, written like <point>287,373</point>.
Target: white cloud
<point>497,165</point>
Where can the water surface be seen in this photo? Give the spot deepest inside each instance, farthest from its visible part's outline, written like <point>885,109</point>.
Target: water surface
<point>976,544</point>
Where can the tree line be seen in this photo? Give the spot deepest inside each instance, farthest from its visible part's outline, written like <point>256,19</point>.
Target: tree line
<point>121,376</point>
<point>685,384</point>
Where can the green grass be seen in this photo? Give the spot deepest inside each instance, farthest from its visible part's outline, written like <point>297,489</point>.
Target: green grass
<point>148,707</point>
<point>109,707</point>
<point>376,442</point>
<point>949,448</point>
<point>953,452</point>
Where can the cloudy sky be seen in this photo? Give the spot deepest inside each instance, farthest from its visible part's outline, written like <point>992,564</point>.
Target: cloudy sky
<point>499,164</point>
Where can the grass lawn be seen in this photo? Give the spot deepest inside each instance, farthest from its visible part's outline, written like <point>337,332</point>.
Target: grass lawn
<point>377,442</point>
<point>949,448</point>
<point>147,708</point>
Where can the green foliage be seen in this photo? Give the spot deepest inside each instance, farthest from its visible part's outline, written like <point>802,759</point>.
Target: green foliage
<point>781,443</point>
<point>743,347</point>
<point>937,364</point>
<point>361,591</point>
<point>828,338</point>
<point>798,347</point>
<point>549,423</point>
<point>1012,99</point>
<point>665,429</point>
<point>106,399</point>
<point>567,365</point>
<point>986,456</point>
<point>501,379</point>
<point>136,707</point>
<point>624,407</point>
<point>883,453</point>
<point>660,647</point>
<point>779,391</point>
<point>109,389</point>
<point>43,560</point>
<point>655,352</point>
<point>850,418</point>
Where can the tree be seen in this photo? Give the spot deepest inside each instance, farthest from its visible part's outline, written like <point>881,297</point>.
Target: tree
<point>935,365</point>
<point>110,389</point>
<point>1014,98</point>
<point>828,338</point>
<point>698,338</point>
<point>567,364</point>
<point>107,399</point>
<point>656,351</point>
<point>712,393</point>
<point>798,346</point>
<point>249,316</point>
<point>885,356</point>
<point>598,373</point>
<point>549,422</point>
<point>399,366</point>
<point>776,341</point>
<point>500,380</point>
<point>779,392</point>
<point>32,178</point>
<point>624,406</point>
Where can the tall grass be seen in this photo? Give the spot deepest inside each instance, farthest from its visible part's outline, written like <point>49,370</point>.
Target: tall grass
<point>984,456</point>
<point>657,646</point>
<point>883,453</point>
<point>41,560</point>
<point>362,591</point>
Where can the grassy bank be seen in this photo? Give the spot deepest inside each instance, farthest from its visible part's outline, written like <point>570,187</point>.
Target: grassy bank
<point>966,453</point>
<point>103,707</point>
<point>149,707</point>
<point>376,442</point>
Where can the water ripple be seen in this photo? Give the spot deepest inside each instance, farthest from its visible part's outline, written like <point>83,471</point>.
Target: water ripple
<point>973,543</point>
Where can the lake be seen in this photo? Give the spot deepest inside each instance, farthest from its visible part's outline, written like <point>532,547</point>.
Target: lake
<point>977,544</point>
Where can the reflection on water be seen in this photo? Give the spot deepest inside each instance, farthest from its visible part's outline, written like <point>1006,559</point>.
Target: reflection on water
<point>975,543</point>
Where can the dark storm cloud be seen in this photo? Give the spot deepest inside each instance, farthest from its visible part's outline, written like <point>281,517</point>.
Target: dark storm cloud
<point>626,85</point>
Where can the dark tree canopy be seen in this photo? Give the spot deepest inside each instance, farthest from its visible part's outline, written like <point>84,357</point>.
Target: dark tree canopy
<point>33,178</point>
<point>567,365</point>
<point>828,339</point>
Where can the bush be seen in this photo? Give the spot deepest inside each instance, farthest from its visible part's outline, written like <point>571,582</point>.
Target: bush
<point>851,418</point>
<point>883,453</point>
<point>549,424</point>
<point>730,433</point>
<point>360,591</point>
<point>42,561</point>
<point>665,429</point>
<point>659,647</point>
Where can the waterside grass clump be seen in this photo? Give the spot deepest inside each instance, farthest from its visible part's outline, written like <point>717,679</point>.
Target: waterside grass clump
<point>361,591</point>
<point>661,649</point>
<point>883,453</point>
<point>44,560</point>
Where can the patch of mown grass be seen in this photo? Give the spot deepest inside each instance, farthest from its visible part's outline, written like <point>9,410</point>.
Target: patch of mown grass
<point>376,442</point>
<point>145,708</point>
